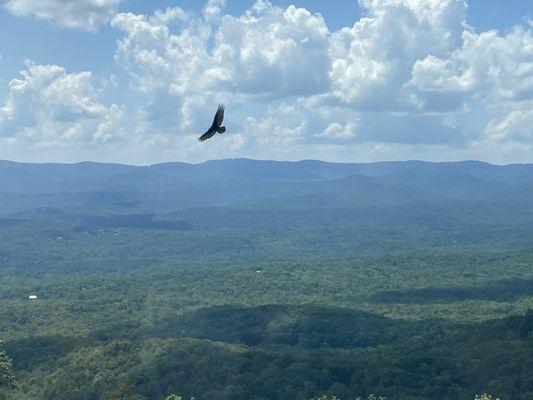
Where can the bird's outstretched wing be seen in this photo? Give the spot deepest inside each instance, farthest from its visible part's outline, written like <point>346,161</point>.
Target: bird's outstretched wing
<point>219,116</point>
<point>216,125</point>
<point>209,134</point>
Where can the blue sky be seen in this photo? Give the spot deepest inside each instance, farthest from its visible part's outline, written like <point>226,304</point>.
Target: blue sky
<point>137,82</point>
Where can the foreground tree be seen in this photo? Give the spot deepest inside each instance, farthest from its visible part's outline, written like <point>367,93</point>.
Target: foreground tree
<point>7,379</point>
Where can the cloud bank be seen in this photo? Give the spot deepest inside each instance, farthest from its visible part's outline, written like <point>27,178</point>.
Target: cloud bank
<point>410,79</point>
<point>48,108</point>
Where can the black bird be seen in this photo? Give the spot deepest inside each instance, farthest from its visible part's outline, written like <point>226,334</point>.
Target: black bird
<point>215,127</point>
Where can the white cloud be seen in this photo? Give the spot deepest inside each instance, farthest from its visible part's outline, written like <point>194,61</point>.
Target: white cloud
<point>50,107</point>
<point>410,77</point>
<point>268,51</point>
<point>408,72</point>
<point>78,14</point>
<point>213,10</point>
<point>338,131</point>
<point>155,58</point>
<point>188,65</point>
<point>492,76</point>
<point>517,126</point>
<point>274,52</point>
<point>498,66</point>
<point>372,61</point>
<point>433,74</point>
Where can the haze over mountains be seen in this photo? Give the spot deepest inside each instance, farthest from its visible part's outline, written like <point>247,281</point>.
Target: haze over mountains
<point>413,202</point>
<point>238,180</point>
<point>341,194</point>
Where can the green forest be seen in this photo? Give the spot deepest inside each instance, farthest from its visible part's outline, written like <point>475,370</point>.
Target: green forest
<point>424,298</point>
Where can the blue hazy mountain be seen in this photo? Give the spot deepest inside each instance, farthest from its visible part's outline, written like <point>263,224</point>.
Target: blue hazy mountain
<point>85,176</point>
<point>240,193</point>
<point>234,181</point>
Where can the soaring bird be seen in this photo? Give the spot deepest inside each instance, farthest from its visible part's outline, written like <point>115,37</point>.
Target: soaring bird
<point>215,127</point>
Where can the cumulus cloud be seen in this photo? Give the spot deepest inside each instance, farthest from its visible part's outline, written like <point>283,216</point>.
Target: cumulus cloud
<point>268,52</point>
<point>50,107</point>
<point>187,64</point>
<point>486,62</point>
<point>372,61</point>
<point>79,14</point>
<point>517,126</point>
<point>408,72</point>
<point>337,131</point>
<point>492,75</point>
<point>157,59</point>
<point>213,10</point>
<point>274,51</point>
<point>408,75</point>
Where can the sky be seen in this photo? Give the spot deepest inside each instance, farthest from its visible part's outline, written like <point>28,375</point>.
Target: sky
<point>137,82</point>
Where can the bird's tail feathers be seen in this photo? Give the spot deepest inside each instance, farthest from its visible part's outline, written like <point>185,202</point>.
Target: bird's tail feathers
<point>222,129</point>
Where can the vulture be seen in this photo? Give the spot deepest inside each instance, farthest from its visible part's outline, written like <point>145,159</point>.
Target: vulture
<point>216,126</point>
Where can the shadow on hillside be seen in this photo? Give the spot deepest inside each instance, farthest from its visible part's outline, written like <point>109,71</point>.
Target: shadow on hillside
<point>303,326</point>
<point>277,326</point>
<point>30,352</point>
<point>504,290</point>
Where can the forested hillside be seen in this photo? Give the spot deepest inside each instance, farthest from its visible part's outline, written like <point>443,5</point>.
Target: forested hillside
<point>242,279</point>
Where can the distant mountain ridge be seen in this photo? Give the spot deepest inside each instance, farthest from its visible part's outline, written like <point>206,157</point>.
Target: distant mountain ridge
<point>27,178</point>
<point>89,187</point>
